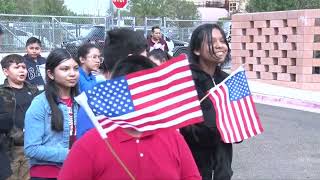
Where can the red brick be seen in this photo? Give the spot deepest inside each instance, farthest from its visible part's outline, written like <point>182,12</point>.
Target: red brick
<point>295,38</point>
<point>293,14</point>
<point>300,30</point>
<point>283,77</point>
<point>285,46</point>
<point>285,31</point>
<point>236,52</point>
<point>260,24</point>
<point>276,38</point>
<point>236,46</point>
<point>315,62</point>
<point>259,53</point>
<point>304,62</point>
<point>266,76</point>
<point>251,46</point>
<point>268,61</point>
<point>267,31</point>
<point>292,69</point>
<point>317,30</point>
<point>284,61</point>
<point>304,78</point>
<point>307,54</point>
<point>259,68</point>
<point>267,46</point>
<point>292,22</point>
<point>259,39</point>
<point>275,53</point>
<point>275,68</point>
<point>237,25</point>
<point>258,16</point>
<point>251,75</point>
<point>236,60</point>
<point>312,13</point>
<point>300,46</point>
<point>316,46</point>
<point>241,17</point>
<point>307,46</point>
<point>235,39</point>
<point>252,31</point>
<point>276,23</point>
<point>308,30</point>
<point>304,69</point>
<point>241,53</point>
<point>236,32</point>
<point>303,21</point>
<point>234,66</point>
<point>316,78</point>
<point>308,38</point>
<point>276,15</point>
<point>292,54</point>
<point>245,39</point>
<point>251,60</point>
<point>246,24</point>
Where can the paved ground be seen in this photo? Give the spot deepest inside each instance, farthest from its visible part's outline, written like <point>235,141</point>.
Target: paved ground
<point>289,149</point>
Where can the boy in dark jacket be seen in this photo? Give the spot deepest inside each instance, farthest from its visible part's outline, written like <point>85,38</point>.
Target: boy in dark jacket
<point>34,60</point>
<point>15,97</point>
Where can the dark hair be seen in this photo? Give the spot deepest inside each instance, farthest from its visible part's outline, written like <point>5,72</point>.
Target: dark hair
<point>84,49</point>
<point>163,56</point>
<point>155,27</point>
<point>11,59</point>
<point>199,35</point>
<point>56,57</point>
<point>132,64</point>
<point>119,44</point>
<point>33,40</point>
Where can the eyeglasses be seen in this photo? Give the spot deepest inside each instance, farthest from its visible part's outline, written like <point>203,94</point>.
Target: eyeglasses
<point>96,57</point>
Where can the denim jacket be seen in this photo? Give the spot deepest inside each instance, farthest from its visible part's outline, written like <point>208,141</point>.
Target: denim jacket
<point>41,144</point>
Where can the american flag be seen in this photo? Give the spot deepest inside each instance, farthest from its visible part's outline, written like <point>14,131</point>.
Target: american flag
<point>236,115</point>
<point>152,99</point>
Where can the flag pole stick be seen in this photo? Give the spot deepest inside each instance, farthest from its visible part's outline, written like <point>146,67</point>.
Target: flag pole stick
<point>214,82</point>
<point>205,97</point>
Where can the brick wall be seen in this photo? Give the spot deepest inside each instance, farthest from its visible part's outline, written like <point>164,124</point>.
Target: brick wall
<point>281,48</point>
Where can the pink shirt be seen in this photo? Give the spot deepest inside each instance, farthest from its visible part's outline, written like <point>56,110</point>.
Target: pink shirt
<point>163,155</point>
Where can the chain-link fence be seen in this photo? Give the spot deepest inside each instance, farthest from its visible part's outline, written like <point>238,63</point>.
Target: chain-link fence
<point>53,31</point>
<point>71,31</point>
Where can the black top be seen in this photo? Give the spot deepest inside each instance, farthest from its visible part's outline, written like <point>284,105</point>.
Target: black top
<point>23,101</point>
<point>204,133</point>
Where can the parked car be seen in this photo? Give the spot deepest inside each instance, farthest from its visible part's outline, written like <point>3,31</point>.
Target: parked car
<point>97,36</point>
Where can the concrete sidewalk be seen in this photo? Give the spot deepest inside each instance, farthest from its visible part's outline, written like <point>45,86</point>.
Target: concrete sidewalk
<point>285,97</point>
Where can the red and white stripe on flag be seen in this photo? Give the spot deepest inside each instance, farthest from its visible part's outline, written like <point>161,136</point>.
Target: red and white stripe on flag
<point>161,97</point>
<point>236,115</point>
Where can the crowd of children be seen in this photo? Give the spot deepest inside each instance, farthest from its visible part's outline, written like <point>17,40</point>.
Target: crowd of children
<point>44,134</point>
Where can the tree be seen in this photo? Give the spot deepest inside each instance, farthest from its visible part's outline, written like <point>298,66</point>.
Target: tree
<point>42,7</point>
<point>7,6</point>
<point>281,5</point>
<point>175,9</point>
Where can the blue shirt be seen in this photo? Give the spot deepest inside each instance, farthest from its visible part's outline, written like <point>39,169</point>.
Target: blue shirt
<point>86,81</point>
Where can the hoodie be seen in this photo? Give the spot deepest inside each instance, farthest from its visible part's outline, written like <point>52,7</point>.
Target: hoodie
<point>34,76</point>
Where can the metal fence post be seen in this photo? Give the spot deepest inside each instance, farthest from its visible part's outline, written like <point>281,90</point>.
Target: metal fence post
<point>145,26</point>
<point>53,38</point>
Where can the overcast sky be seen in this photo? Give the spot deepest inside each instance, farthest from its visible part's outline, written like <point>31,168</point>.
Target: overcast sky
<point>93,7</point>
